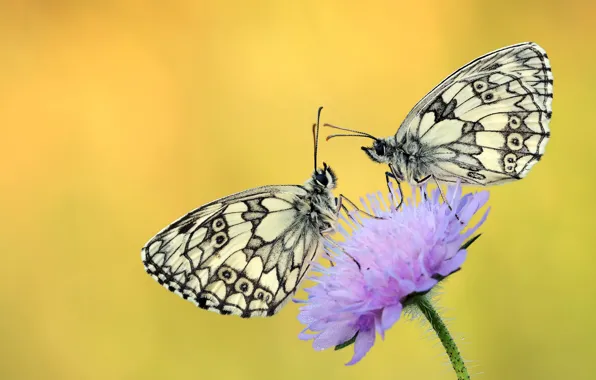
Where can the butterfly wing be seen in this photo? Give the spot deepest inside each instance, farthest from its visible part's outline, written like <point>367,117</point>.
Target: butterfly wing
<point>244,254</point>
<point>488,122</point>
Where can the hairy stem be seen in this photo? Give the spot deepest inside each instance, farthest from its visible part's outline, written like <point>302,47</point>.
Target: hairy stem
<point>424,305</point>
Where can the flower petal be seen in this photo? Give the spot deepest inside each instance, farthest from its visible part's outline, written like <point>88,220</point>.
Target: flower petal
<point>306,335</point>
<point>331,337</point>
<point>364,342</point>
<point>390,315</point>
<point>379,262</point>
<point>452,265</point>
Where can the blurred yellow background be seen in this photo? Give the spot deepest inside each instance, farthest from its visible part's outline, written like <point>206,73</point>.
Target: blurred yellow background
<point>120,116</point>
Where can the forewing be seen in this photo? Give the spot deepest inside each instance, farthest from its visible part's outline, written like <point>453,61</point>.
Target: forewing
<point>488,122</point>
<point>244,254</point>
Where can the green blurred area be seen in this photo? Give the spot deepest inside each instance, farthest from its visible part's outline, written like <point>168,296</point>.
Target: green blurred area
<point>118,117</point>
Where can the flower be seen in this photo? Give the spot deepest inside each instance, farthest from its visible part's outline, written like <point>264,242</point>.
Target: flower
<point>383,263</point>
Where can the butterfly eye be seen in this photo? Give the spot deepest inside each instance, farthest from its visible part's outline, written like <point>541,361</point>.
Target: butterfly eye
<point>322,178</point>
<point>379,148</point>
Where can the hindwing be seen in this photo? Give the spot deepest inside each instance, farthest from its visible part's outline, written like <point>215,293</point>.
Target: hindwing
<point>488,122</point>
<point>244,254</point>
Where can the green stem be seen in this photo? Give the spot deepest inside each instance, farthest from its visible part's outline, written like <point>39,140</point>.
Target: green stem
<point>424,305</point>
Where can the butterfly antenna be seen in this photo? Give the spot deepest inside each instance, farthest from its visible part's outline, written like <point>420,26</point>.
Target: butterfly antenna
<point>315,134</point>
<point>353,133</point>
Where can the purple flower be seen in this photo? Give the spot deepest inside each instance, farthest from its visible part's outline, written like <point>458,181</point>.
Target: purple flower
<point>383,263</point>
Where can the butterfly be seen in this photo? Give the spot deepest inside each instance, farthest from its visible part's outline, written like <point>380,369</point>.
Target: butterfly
<point>247,253</point>
<point>485,124</point>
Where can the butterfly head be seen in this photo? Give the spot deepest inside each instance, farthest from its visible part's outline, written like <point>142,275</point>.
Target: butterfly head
<point>382,150</point>
<point>324,178</point>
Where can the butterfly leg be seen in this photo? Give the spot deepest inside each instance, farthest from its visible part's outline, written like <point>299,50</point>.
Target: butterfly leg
<point>440,191</point>
<point>345,253</point>
<point>419,182</point>
<point>334,243</point>
<point>342,207</point>
<point>389,175</point>
<point>326,235</point>
<point>343,197</point>
<point>445,200</point>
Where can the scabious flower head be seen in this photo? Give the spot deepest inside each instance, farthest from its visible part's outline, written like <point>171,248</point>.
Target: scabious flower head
<point>382,263</point>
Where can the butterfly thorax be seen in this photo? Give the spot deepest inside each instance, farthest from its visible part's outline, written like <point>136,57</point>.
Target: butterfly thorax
<point>320,204</point>
<point>411,160</point>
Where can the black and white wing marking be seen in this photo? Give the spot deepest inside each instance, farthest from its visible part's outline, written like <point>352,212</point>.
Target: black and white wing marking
<point>488,122</point>
<point>244,254</point>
